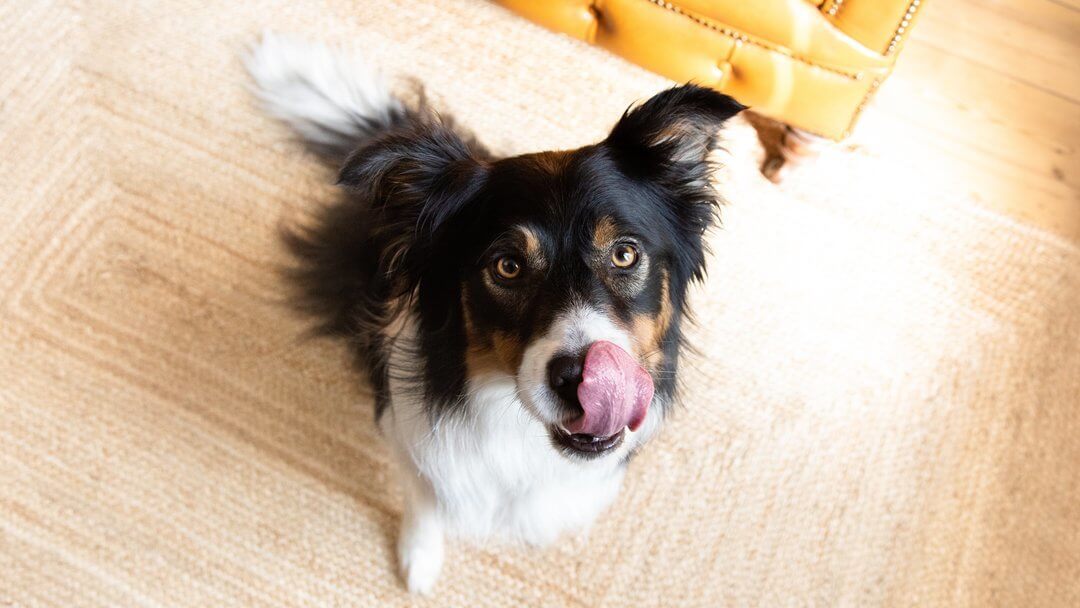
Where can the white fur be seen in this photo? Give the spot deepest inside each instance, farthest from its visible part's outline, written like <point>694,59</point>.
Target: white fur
<point>490,471</point>
<point>420,544</point>
<point>318,92</point>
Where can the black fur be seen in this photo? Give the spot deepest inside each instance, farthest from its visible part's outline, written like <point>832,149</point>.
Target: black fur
<point>426,209</point>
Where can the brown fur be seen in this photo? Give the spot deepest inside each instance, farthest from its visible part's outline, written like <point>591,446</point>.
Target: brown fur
<point>508,349</point>
<point>554,162</point>
<point>649,330</point>
<point>604,233</point>
<point>534,255</point>
<point>488,352</point>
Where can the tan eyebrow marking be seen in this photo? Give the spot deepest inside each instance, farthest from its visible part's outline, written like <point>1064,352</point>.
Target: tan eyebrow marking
<point>534,253</point>
<point>604,233</point>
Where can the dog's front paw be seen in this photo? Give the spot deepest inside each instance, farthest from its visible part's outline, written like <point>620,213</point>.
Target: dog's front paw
<point>420,557</point>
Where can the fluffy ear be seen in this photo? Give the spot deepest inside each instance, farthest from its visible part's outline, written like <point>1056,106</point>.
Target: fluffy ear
<point>676,126</point>
<point>667,140</point>
<point>414,181</point>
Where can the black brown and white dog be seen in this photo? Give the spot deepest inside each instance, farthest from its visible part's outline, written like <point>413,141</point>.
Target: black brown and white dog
<point>519,319</point>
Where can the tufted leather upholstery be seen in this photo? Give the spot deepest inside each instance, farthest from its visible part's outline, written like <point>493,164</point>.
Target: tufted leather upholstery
<point>810,63</point>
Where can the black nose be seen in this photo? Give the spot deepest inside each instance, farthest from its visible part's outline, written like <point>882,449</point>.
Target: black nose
<point>564,376</point>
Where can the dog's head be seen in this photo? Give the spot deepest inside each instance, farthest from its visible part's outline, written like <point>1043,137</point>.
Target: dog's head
<point>566,271</point>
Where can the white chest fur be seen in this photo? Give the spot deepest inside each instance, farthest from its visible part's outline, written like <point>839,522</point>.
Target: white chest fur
<point>486,471</point>
<point>492,469</point>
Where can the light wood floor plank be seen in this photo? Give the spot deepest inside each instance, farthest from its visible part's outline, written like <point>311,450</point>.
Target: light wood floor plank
<point>986,96</point>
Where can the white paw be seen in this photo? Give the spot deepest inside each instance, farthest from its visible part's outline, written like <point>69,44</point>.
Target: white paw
<point>420,557</point>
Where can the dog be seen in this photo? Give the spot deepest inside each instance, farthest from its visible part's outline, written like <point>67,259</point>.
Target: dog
<point>519,319</point>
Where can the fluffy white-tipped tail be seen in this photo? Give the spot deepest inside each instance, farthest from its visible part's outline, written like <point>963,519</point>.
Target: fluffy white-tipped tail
<point>334,101</point>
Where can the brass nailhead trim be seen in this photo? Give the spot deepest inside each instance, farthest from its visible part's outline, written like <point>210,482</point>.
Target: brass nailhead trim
<point>862,104</point>
<point>740,37</point>
<point>835,8</point>
<point>898,35</point>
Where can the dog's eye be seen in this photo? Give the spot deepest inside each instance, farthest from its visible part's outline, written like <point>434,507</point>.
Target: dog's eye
<point>624,256</point>
<point>507,267</point>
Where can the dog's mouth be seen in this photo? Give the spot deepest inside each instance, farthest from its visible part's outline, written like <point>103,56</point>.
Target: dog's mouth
<point>612,394</point>
<point>585,445</point>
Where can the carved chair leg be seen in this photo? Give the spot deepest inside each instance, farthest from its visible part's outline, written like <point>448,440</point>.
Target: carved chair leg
<point>784,145</point>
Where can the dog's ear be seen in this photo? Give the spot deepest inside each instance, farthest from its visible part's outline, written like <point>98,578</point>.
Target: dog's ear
<point>414,181</point>
<point>666,141</point>
<point>673,128</point>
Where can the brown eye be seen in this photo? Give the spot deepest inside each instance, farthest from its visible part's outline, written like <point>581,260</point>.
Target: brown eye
<point>624,256</point>
<point>507,267</point>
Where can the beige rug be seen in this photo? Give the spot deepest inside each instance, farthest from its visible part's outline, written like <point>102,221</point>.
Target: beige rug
<point>885,411</point>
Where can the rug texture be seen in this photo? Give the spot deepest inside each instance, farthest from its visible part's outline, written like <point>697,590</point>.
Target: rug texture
<point>884,408</point>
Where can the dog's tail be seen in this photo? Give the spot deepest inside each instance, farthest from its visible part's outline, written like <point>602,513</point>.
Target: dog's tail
<point>334,102</point>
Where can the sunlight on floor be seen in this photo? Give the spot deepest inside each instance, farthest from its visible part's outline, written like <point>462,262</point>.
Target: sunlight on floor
<point>986,99</point>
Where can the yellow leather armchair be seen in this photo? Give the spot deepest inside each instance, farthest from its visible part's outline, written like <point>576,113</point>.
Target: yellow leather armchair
<point>810,63</point>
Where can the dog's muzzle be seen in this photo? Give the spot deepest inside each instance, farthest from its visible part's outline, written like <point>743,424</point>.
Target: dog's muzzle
<point>604,392</point>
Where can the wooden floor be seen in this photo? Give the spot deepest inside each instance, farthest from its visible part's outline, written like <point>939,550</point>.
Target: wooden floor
<point>986,96</point>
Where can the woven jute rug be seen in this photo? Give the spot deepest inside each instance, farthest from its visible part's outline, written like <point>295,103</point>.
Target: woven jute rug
<point>884,408</point>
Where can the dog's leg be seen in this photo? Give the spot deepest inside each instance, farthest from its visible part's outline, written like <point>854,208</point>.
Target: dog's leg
<point>420,544</point>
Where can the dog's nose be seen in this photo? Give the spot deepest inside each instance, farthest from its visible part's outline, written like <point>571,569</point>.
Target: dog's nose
<point>564,376</point>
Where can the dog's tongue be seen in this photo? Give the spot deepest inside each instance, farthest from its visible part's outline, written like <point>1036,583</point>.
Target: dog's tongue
<point>615,392</point>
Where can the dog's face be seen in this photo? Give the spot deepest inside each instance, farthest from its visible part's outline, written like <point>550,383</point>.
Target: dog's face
<point>566,271</point>
<point>569,250</point>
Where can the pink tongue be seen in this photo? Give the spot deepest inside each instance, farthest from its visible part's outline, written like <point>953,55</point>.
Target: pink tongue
<point>615,392</point>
